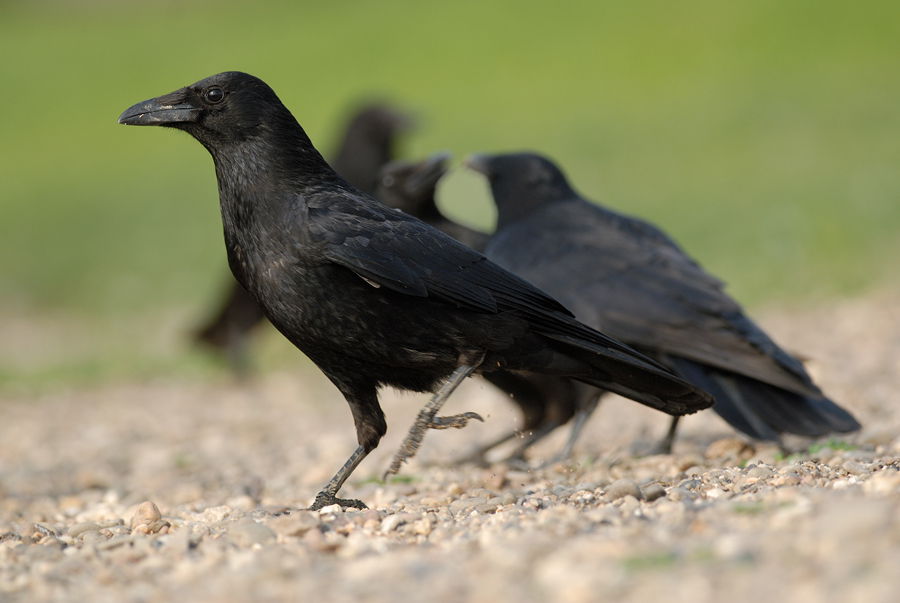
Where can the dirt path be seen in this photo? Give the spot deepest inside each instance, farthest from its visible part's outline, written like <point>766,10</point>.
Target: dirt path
<point>727,521</point>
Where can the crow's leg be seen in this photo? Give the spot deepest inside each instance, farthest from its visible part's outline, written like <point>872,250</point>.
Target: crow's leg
<point>427,419</point>
<point>664,446</point>
<point>328,495</point>
<point>532,438</point>
<point>478,457</point>
<point>586,408</point>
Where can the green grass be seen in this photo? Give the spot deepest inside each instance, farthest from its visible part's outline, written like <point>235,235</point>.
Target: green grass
<point>762,136</point>
<point>831,444</point>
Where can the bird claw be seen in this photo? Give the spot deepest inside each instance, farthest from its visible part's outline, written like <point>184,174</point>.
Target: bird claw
<point>326,499</point>
<point>456,421</point>
<point>411,444</point>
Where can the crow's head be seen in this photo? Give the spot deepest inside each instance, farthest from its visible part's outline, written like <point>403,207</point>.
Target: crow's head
<point>224,108</point>
<point>410,186</point>
<point>520,182</point>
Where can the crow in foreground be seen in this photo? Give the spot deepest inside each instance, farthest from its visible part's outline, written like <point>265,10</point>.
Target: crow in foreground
<point>546,402</point>
<point>371,295</point>
<point>627,277</point>
<point>368,143</point>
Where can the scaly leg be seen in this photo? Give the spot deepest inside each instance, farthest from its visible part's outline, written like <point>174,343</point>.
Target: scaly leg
<point>427,419</point>
<point>328,495</point>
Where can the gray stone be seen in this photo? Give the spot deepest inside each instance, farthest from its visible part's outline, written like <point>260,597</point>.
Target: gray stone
<point>690,484</point>
<point>624,487</point>
<point>653,491</point>
<point>487,507</point>
<point>680,493</point>
<point>855,468</point>
<point>760,471</point>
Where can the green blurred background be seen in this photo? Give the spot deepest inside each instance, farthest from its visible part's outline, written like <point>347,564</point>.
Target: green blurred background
<point>764,136</point>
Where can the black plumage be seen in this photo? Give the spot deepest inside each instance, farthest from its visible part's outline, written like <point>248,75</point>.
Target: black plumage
<point>371,295</point>
<point>627,277</point>
<point>368,143</point>
<point>546,401</point>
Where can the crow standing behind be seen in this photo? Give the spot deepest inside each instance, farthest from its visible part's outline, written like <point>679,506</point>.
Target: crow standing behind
<point>410,186</point>
<point>367,145</point>
<point>625,276</point>
<point>546,401</point>
<point>371,295</point>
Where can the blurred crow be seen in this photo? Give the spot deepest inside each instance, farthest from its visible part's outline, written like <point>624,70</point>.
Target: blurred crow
<point>546,402</point>
<point>371,295</point>
<point>627,277</point>
<point>368,144</point>
<point>410,187</point>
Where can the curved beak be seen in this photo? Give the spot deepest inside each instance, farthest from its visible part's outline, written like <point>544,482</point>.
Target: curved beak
<point>427,173</point>
<point>159,112</point>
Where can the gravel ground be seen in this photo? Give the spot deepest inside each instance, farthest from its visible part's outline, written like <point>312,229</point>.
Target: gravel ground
<point>162,490</point>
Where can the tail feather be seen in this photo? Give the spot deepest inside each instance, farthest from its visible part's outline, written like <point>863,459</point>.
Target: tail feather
<point>763,411</point>
<point>633,376</point>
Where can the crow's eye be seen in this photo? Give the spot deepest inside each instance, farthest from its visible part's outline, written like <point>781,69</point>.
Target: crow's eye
<point>215,95</point>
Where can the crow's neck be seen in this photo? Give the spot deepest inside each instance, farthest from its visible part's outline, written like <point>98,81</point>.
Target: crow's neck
<point>260,181</point>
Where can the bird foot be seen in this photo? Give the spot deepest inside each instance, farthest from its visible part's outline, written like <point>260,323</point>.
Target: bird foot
<point>415,436</point>
<point>326,499</point>
<point>455,421</point>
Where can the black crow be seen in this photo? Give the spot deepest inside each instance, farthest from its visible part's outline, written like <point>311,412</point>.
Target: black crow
<point>410,187</point>
<point>368,143</point>
<point>373,296</point>
<point>546,401</point>
<point>627,277</point>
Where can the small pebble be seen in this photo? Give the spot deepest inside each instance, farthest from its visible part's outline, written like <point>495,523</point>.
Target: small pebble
<point>680,493</point>
<point>690,484</point>
<point>331,509</point>
<point>392,522</point>
<point>624,487</point>
<point>145,514</point>
<point>80,528</point>
<point>760,471</point>
<point>855,468</point>
<point>653,491</point>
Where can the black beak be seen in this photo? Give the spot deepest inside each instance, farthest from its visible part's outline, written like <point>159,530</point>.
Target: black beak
<point>427,173</point>
<point>160,111</point>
